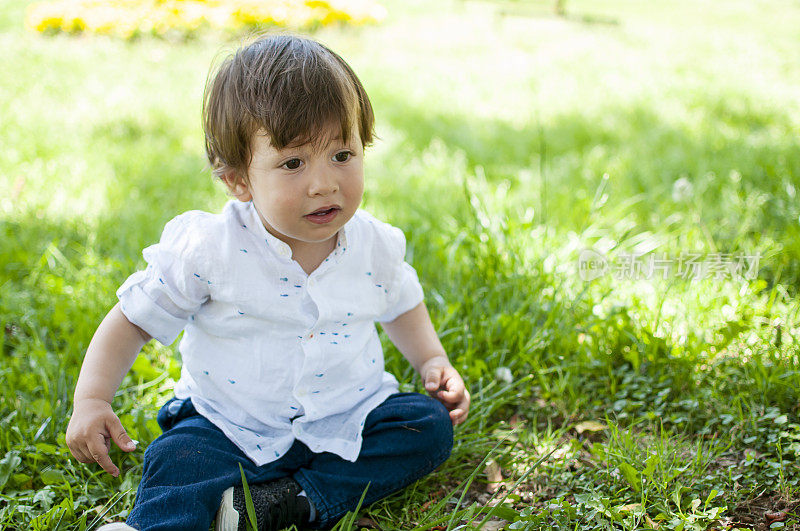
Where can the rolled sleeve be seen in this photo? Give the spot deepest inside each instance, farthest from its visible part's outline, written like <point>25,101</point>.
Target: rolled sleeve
<point>405,291</point>
<point>142,311</point>
<point>161,299</point>
<point>407,294</point>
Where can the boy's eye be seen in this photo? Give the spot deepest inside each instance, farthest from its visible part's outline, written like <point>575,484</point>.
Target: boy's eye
<point>343,156</point>
<point>292,164</point>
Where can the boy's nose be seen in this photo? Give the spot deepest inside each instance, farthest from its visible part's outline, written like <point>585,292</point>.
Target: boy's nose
<point>322,183</point>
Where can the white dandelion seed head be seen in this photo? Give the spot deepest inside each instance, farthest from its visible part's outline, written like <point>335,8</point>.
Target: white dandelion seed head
<point>503,374</point>
<point>682,190</point>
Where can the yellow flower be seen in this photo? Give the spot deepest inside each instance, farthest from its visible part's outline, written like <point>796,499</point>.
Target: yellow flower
<point>128,18</point>
<point>42,17</point>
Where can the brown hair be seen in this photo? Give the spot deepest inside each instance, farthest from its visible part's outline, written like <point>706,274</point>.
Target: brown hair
<point>289,86</point>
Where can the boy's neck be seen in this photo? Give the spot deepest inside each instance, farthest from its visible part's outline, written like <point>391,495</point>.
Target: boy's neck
<point>311,255</point>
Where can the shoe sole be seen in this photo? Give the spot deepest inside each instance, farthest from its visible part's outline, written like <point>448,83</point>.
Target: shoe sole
<point>227,517</point>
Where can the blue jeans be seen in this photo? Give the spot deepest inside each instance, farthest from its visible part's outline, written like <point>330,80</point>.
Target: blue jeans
<point>189,466</point>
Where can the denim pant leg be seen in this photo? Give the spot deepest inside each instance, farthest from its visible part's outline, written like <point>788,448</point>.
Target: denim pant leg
<point>188,467</point>
<point>404,438</point>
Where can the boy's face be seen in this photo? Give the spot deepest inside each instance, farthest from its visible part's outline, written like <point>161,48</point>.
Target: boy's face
<point>304,194</point>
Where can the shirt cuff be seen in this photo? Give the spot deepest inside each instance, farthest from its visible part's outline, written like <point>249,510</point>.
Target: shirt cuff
<point>142,311</point>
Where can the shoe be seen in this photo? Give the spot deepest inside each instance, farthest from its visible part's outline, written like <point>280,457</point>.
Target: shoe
<point>276,503</point>
<point>116,526</point>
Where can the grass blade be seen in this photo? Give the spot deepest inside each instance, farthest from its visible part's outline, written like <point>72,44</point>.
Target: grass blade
<point>347,521</point>
<point>466,484</point>
<point>248,501</point>
<point>513,487</point>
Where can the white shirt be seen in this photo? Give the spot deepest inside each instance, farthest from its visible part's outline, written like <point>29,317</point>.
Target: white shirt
<point>271,354</point>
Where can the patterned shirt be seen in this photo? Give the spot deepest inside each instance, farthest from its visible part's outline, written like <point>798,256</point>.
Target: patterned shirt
<point>271,354</point>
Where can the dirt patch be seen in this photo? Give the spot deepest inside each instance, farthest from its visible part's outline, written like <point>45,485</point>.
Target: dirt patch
<point>761,512</point>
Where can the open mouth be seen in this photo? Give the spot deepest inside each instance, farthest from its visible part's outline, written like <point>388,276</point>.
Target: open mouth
<point>323,215</point>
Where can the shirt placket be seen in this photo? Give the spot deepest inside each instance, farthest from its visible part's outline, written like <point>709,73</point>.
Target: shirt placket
<point>313,377</point>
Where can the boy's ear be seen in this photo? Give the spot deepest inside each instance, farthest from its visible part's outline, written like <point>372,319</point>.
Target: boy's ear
<point>236,186</point>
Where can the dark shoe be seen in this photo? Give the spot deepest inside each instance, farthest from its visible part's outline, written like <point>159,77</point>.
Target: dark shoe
<point>276,503</point>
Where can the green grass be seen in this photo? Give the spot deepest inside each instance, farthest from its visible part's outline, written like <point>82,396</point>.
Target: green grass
<point>495,133</point>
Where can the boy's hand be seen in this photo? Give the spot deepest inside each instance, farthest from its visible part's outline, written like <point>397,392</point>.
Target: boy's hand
<point>443,383</point>
<point>92,427</point>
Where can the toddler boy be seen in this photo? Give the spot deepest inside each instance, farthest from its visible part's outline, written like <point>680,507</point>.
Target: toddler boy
<point>277,296</point>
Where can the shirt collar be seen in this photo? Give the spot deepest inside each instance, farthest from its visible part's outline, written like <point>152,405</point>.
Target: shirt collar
<point>281,247</point>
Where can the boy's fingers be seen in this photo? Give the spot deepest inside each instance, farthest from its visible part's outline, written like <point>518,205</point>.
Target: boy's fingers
<point>99,453</point>
<point>455,390</point>
<point>119,435</point>
<point>457,416</point>
<point>81,456</point>
<point>466,402</point>
<point>462,402</point>
<point>433,379</point>
<point>80,451</point>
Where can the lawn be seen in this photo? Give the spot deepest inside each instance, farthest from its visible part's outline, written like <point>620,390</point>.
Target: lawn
<point>511,140</point>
